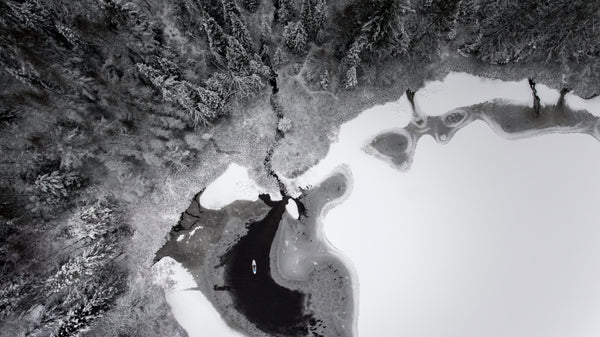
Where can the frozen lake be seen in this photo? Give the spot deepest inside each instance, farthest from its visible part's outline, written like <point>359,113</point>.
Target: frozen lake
<point>483,236</point>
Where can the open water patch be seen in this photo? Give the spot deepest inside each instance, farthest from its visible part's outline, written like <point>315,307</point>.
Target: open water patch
<point>272,307</point>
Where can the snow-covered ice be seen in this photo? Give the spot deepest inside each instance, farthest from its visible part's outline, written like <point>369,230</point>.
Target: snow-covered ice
<point>483,236</point>
<point>292,208</point>
<point>191,308</point>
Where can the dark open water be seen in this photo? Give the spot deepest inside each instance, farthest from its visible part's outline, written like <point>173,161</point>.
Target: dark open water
<point>272,308</point>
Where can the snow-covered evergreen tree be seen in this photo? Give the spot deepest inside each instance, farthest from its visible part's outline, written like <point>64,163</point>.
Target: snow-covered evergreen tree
<point>351,80</point>
<point>284,125</point>
<point>295,38</point>
<point>251,5</point>
<point>240,32</point>
<point>201,104</point>
<point>307,18</point>
<point>94,222</point>
<point>216,37</point>
<point>320,18</point>
<point>210,105</point>
<point>229,8</point>
<point>235,84</point>
<point>324,82</point>
<point>236,56</point>
<point>385,32</point>
<point>57,185</point>
<point>94,303</point>
<point>12,293</point>
<point>265,30</point>
<point>278,57</point>
<point>285,13</point>
<point>352,58</point>
<point>265,54</point>
<point>77,268</point>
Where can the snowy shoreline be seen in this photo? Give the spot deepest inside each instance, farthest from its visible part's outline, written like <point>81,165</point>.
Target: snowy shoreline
<point>352,149</point>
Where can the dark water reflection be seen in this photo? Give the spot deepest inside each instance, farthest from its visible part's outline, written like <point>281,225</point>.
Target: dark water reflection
<point>272,308</point>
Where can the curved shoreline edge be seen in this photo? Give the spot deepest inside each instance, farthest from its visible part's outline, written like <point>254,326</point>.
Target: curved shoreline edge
<point>511,117</point>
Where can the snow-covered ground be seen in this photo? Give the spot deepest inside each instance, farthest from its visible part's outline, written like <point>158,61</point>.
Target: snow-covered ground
<point>234,184</point>
<point>461,89</point>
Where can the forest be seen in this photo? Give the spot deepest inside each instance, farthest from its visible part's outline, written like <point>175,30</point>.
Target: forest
<point>101,100</point>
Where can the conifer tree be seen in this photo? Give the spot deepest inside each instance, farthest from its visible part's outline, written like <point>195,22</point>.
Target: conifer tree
<point>278,57</point>
<point>251,5</point>
<point>210,104</point>
<point>300,42</point>
<point>240,32</point>
<point>229,9</point>
<point>307,18</point>
<point>351,80</point>
<point>236,56</point>
<point>265,31</point>
<point>265,55</point>
<point>285,13</point>
<point>202,105</point>
<point>12,293</point>
<point>56,186</point>
<point>352,58</point>
<point>385,33</point>
<point>216,37</point>
<point>94,302</point>
<point>320,18</point>
<point>295,38</point>
<point>321,36</point>
<point>325,80</point>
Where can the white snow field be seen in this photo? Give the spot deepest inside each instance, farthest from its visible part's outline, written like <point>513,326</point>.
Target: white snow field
<point>234,184</point>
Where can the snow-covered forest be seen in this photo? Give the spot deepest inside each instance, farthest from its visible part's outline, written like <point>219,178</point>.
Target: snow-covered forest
<point>113,113</point>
